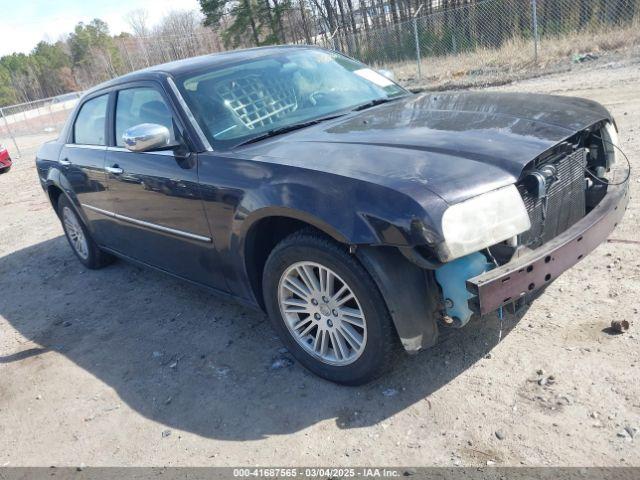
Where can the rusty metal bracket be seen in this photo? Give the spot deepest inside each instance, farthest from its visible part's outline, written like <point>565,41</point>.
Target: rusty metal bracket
<point>538,268</point>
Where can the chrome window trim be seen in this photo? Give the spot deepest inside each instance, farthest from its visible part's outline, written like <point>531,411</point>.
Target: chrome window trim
<point>187,110</point>
<point>156,152</point>
<point>153,226</point>
<point>85,146</point>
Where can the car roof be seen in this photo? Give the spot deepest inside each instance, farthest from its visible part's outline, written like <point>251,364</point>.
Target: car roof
<point>187,65</point>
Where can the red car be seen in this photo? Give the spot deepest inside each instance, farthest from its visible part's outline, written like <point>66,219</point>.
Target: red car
<point>5,159</point>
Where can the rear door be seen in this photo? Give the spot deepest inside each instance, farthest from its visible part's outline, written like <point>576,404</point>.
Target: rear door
<point>161,219</point>
<point>82,163</point>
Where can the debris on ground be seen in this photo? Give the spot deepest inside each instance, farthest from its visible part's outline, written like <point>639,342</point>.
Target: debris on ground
<point>281,362</point>
<point>619,326</point>
<point>549,380</point>
<point>584,57</point>
<point>166,433</point>
<point>389,392</point>
<point>500,435</point>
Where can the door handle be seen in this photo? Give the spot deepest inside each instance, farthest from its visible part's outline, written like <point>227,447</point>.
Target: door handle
<point>115,170</point>
<point>64,161</point>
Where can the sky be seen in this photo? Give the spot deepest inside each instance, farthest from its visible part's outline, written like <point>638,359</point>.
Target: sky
<point>24,23</point>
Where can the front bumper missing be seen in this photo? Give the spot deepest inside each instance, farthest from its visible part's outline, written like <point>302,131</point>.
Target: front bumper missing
<point>536,269</point>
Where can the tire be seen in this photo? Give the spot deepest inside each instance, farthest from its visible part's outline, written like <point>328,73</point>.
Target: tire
<point>339,359</point>
<point>79,238</point>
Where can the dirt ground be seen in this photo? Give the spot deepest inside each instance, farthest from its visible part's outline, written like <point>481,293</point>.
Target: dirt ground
<point>125,366</point>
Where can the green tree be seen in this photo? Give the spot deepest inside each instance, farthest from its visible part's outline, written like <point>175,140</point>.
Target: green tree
<point>246,22</point>
<point>52,64</point>
<point>94,53</point>
<point>7,93</point>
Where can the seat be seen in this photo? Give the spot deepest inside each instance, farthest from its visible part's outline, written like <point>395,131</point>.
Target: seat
<point>157,112</point>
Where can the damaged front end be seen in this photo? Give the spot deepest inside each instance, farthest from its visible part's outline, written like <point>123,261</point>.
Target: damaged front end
<point>500,249</point>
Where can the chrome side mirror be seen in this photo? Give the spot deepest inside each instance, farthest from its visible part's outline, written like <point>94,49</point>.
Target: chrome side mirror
<point>146,136</point>
<point>387,74</point>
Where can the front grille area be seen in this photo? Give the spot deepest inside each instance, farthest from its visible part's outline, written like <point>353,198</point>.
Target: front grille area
<point>563,205</point>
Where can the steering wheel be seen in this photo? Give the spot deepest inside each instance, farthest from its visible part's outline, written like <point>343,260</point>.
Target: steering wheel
<point>315,97</point>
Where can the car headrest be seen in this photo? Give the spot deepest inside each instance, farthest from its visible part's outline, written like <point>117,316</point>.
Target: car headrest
<point>155,109</point>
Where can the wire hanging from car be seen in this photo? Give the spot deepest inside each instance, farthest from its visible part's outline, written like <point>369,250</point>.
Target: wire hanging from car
<point>605,182</point>
<point>500,310</point>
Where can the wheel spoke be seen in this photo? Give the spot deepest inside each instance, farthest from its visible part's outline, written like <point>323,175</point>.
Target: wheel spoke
<point>344,299</point>
<point>340,292</point>
<point>322,273</point>
<point>338,344</point>
<point>324,348</point>
<point>317,342</point>
<point>352,316</point>
<point>296,305</point>
<point>351,336</point>
<point>295,286</point>
<point>326,281</point>
<point>307,330</point>
<point>308,276</point>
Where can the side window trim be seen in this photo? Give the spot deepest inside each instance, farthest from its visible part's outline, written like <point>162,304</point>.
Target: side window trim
<point>189,114</point>
<point>157,86</point>
<point>86,146</point>
<point>71,137</point>
<point>113,148</point>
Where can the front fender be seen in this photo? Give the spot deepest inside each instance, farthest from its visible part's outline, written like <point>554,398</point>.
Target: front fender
<point>351,211</point>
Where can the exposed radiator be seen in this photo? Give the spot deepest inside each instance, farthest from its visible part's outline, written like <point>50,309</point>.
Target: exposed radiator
<point>563,205</point>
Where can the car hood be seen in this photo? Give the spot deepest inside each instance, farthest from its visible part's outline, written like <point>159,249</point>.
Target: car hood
<point>455,144</point>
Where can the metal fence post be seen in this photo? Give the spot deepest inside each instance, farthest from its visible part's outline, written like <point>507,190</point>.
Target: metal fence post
<point>417,39</point>
<point>534,12</point>
<point>13,139</point>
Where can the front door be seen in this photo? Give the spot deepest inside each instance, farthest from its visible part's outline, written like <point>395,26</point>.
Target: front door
<point>161,219</point>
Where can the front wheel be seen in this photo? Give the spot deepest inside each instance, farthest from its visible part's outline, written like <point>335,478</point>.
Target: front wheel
<point>327,309</point>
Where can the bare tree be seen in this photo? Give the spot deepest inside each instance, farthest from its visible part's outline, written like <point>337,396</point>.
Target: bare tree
<point>138,20</point>
<point>179,22</point>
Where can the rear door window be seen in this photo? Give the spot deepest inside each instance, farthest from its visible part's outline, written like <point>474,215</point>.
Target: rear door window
<point>141,105</point>
<point>90,122</point>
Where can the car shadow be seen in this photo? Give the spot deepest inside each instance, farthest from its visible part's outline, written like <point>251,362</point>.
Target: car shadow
<point>184,358</point>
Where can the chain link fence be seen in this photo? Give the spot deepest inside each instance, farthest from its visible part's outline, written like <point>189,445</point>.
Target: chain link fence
<point>484,43</point>
<point>494,41</point>
<point>28,124</point>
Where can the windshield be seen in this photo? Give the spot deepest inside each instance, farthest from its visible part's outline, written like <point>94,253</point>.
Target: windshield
<point>248,99</point>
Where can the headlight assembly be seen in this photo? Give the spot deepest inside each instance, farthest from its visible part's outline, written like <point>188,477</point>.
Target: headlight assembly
<point>483,221</point>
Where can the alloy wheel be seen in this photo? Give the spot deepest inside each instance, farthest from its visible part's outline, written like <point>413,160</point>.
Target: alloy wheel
<point>75,233</point>
<point>322,313</point>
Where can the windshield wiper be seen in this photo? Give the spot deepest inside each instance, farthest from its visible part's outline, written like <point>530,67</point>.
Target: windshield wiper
<point>372,103</point>
<point>288,128</point>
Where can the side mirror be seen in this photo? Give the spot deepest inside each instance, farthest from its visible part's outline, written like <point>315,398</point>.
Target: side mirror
<point>146,136</point>
<point>387,74</point>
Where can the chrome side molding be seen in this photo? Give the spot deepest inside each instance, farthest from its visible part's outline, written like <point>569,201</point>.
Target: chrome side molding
<point>154,226</point>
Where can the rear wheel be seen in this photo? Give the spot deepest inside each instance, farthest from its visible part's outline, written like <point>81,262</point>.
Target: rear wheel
<point>327,309</point>
<point>79,237</point>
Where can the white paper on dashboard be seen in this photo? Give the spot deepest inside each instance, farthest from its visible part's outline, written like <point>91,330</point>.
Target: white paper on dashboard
<point>374,77</point>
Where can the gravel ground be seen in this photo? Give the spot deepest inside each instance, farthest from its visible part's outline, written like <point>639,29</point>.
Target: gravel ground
<point>125,366</point>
